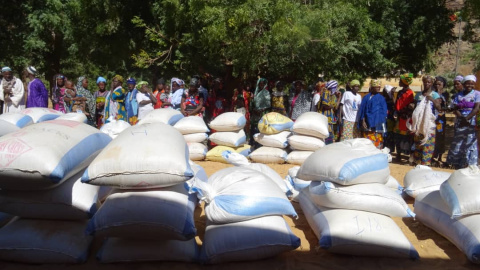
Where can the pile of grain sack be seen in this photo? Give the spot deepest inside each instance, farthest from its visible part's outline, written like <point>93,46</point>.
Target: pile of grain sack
<point>40,169</point>
<point>244,208</point>
<point>449,204</point>
<point>309,132</point>
<point>228,136</point>
<point>348,197</point>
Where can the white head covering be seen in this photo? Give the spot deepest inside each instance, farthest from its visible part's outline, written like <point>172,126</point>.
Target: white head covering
<point>388,89</point>
<point>5,69</point>
<point>470,78</point>
<point>31,70</point>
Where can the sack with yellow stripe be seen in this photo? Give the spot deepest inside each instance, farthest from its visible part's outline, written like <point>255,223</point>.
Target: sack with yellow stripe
<point>274,123</point>
<point>215,154</point>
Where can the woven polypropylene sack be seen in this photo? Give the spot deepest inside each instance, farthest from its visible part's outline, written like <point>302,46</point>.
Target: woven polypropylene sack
<point>191,124</point>
<point>461,192</point>
<point>312,124</point>
<point>229,121</point>
<point>18,119</point>
<point>278,140</point>
<point>164,115</point>
<point>274,123</point>
<point>269,155</point>
<point>423,179</point>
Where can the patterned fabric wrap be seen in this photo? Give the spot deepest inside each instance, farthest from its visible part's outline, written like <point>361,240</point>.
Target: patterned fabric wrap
<point>375,137</point>
<point>423,153</point>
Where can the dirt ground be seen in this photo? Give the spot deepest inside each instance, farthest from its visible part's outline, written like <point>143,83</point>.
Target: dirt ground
<point>435,251</point>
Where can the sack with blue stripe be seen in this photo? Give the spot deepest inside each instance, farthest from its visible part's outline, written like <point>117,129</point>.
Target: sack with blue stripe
<point>237,194</point>
<point>163,214</point>
<point>139,159</point>
<point>463,232</point>
<point>376,198</point>
<point>166,116</point>
<point>356,232</point>
<point>72,200</point>
<point>18,119</point>
<point>274,123</point>
<point>349,162</point>
<point>394,185</point>
<point>7,128</point>
<point>39,115</point>
<point>44,155</point>
<point>423,179</point>
<point>461,192</point>
<point>249,240</point>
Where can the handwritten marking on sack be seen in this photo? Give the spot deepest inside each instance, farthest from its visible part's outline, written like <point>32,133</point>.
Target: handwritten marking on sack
<point>12,149</point>
<point>363,226</point>
<point>66,123</point>
<point>140,132</point>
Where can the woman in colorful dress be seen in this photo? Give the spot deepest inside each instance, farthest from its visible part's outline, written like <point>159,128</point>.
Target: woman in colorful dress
<point>279,99</point>
<point>82,91</point>
<point>319,89</point>
<point>131,104</point>
<point>100,97</point>
<point>424,150</point>
<point>466,104</point>
<point>404,105</point>
<point>115,101</point>
<point>372,116</point>
<point>300,101</point>
<point>347,111</point>
<point>192,103</point>
<point>58,94</point>
<point>439,87</point>
<point>327,106</point>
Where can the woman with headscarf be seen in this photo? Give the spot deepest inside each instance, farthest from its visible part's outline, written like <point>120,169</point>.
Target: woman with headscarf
<point>82,91</point>
<point>279,98</point>
<point>404,105</point>
<point>440,85</point>
<point>58,94</point>
<point>347,111</point>
<point>145,99</point>
<point>115,101</point>
<point>178,91</point>
<point>319,89</point>
<point>327,106</point>
<point>388,94</point>
<point>12,92</point>
<point>373,114</point>
<point>466,104</point>
<point>260,106</point>
<point>300,101</point>
<point>100,97</point>
<point>425,141</point>
<point>131,104</point>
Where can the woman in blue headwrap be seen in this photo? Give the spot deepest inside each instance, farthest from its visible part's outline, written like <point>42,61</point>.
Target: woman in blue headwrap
<point>327,106</point>
<point>131,104</point>
<point>99,98</point>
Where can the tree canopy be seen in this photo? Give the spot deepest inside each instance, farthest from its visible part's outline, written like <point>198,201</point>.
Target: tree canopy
<point>284,39</point>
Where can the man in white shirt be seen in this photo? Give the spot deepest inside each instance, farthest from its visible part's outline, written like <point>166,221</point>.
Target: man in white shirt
<point>349,106</point>
<point>12,92</point>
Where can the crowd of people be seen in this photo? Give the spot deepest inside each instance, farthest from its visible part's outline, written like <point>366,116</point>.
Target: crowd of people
<point>410,124</point>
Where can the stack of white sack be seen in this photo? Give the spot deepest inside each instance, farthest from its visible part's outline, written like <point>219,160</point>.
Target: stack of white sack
<point>352,179</point>
<point>228,135</point>
<point>423,179</point>
<point>150,206</point>
<point>40,170</point>
<point>39,115</point>
<point>194,127</point>
<point>310,130</point>
<point>239,160</point>
<point>454,211</point>
<point>244,211</point>
<point>274,129</point>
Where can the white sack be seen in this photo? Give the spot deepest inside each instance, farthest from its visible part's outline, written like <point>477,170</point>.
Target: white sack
<point>195,137</point>
<point>44,241</point>
<point>305,143</point>
<point>393,184</point>
<point>76,116</point>
<point>232,139</point>
<point>229,121</point>
<point>461,192</point>
<point>191,124</point>
<point>43,155</point>
<point>41,114</point>
<point>114,128</point>
<point>268,155</point>
<point>298,157</point>
<point>17,118</point>
<point>133,160</point>
<point>349,162</point>
<point>163,115</point>
<point>151,214</point>
<point>277,140</point>
<point>247,240</point>
<point>376,198</point>
<point>355,232</point>
<point>197,151</point>
<point>464,232</point>
<point>423,179</point>
<point>312,124</point>
<point>7,128</point>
